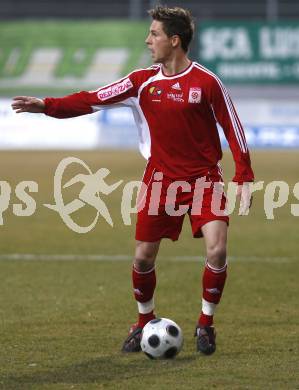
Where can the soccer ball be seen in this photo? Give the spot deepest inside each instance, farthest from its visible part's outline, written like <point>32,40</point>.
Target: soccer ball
<point>161,339</point>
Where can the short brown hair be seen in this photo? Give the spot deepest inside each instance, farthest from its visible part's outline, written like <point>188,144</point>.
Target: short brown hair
<point>176,21</point>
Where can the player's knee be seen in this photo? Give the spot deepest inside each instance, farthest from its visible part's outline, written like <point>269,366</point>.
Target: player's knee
<point>144,259</point>
<point>144,264</point>
<point>216,255</point>
<point>145,255</point>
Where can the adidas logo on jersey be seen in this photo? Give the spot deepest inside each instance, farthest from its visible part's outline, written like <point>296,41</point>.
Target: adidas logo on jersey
<point>176,86</point>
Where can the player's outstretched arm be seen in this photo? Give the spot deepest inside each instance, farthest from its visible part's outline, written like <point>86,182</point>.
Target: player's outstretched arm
<point>28,104</point>
<point>79,103</point>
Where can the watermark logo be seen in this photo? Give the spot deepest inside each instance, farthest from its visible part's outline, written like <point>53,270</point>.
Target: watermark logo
<point>94,186</point>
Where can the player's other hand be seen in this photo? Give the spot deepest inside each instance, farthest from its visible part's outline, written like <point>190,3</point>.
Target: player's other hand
<point>245,195</point>
<point>28,104</point>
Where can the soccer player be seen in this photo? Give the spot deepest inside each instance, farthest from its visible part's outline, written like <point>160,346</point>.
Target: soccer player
<point>176,104</point>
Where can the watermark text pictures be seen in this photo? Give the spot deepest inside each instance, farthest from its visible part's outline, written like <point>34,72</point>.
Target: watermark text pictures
<point>137,195</point>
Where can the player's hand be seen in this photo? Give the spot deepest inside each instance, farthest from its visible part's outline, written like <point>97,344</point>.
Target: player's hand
<point>245,196</point>
<point>28,104</point>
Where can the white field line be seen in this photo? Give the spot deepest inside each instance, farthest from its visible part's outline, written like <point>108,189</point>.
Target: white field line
<point>100,257</point>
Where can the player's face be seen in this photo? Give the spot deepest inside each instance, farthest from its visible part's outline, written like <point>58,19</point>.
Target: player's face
<point>159,44</point>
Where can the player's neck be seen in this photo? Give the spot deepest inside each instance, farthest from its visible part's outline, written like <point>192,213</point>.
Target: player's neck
<point>175,65</point>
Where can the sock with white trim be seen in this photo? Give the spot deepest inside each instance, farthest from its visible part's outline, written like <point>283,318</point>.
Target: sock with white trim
<point>213,282</point>
<point>144,284</point>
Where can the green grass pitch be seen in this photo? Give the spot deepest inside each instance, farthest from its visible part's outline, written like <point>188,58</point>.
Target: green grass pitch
<point>64,314</point>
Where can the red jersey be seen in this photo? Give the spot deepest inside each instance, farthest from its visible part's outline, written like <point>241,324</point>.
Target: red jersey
<point>176,118</point>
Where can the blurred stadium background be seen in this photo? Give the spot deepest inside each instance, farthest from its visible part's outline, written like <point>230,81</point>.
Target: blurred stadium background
<point>63,320</point>
<point>56,47</point>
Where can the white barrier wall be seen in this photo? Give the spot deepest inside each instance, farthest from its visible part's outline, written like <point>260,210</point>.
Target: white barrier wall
<point>267,124</point>
<point>270,123</point>
<point>38,131</point>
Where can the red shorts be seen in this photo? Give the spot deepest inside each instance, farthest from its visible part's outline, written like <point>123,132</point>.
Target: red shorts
<point>163,202</point>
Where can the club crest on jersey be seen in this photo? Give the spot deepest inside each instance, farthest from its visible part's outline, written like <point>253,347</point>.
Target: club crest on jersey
<point>156,91</point>
<point>115,90</point>
<point>194,95</point>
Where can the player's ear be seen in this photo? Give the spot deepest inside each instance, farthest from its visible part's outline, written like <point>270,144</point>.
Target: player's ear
<point>175,41</point>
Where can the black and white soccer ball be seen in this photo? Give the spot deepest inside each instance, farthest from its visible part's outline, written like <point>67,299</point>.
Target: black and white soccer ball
<point>161,339</point>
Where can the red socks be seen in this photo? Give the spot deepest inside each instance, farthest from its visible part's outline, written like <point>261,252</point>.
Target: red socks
<point>144,284</point>
<point>213,281</point>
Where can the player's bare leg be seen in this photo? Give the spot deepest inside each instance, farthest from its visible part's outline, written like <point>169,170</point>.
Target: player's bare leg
<point>144,283</point>
<point>145,255</point>
<point>215,236</point>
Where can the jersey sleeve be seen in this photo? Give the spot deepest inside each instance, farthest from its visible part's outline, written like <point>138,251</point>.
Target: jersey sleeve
<point>87,102</point>
<point>227,117</point>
